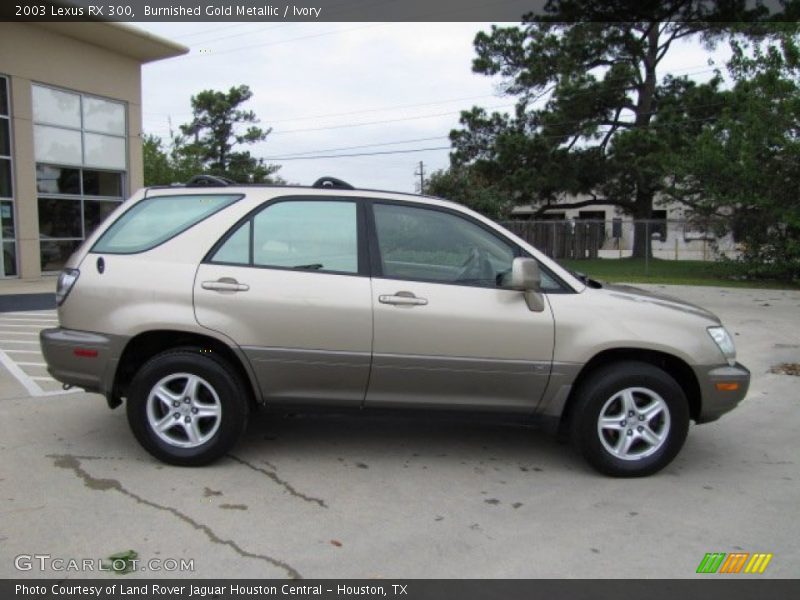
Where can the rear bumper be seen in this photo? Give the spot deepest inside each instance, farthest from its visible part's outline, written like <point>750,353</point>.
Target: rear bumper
<point>716,401</point>
<point>81,358</point>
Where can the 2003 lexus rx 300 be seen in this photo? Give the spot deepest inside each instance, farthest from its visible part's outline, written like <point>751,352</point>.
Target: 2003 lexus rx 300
<point>195,303</point>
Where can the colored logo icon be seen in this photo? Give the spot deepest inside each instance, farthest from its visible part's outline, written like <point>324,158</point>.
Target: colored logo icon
<point>735,562</point>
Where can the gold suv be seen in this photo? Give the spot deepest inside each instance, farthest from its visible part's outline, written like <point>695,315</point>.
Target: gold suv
<point>196,303</point>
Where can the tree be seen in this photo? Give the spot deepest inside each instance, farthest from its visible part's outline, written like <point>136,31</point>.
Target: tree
<point>592,118</point>
<point>743,171</point>
<point>157,168</point>
<point>468,188</point>
<point>215,131</point>
<point>164,166</point>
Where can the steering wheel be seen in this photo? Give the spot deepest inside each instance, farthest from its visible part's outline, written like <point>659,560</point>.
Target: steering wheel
<point>477,267</point>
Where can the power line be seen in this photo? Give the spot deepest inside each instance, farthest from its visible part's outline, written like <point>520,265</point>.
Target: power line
<point>683,124</point>
<point>278,42</point>
<point>426,139</point>
<point>409,151</point>
<point>349,125</point>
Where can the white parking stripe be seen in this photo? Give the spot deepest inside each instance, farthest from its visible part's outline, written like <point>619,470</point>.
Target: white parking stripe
<point>28,324</point>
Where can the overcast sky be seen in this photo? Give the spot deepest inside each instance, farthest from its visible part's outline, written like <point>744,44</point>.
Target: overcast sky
<point>333,88</point>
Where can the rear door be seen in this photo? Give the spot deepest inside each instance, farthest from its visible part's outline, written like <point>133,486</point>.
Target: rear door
<point>446,334</point>
<point>290,286</point>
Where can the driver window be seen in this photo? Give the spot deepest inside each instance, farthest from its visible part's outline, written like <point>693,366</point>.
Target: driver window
<point>431,245</point>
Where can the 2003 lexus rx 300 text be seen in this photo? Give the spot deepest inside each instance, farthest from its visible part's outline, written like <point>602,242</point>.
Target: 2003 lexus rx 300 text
<point>196,303</point>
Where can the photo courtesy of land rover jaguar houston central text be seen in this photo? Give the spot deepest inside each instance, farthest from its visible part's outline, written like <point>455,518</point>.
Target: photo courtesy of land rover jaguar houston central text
<point>196,303</point>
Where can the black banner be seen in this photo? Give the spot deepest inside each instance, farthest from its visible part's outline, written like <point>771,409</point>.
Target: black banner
<point>120,587</point>
<point>726,11</point>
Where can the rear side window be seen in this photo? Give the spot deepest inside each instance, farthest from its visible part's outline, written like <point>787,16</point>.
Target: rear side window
<point>155,220</point>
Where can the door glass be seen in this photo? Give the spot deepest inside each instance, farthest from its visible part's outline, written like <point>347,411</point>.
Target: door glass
<point>308,235</point>
<point>431,245</point>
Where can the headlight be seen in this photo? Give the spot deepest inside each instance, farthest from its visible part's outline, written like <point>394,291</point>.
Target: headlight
<point>724,342</point>
<point>66,280</point>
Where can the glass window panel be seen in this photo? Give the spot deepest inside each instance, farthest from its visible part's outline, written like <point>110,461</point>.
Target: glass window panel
<point>95,212</point>
<point>55,253</point>
<point>102,183</point>
<point>57,145</point>
<point>9,259</point>
<point>236,249</point>
<point>59,218</point>
<point>430,245</point>
<point>104,151</point>
<point>5,137</point>
<point>3,96</point>
<point>57,180</point>
<point>56,107</point>
<point>104,116</point>
<point>155,220</point>
<point>5,178</point>
<point>309,235</point>
<point>7,220</point>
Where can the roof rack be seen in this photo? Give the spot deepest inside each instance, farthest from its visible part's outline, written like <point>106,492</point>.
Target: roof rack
<point>209,180</point>
<point>329,182</point>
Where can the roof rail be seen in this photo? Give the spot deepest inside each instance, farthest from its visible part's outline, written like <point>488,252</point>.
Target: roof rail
<point>209,180</point>
<point>332,183</point>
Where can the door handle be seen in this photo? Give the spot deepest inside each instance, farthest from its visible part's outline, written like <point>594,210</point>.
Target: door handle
<point>225,284</point>
<point>402,299</point>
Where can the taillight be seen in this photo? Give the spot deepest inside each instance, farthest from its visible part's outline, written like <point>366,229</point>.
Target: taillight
<point>66,280</point>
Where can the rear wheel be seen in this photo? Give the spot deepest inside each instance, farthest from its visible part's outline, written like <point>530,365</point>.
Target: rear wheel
<point>630,420</point>
<point>186,407</point>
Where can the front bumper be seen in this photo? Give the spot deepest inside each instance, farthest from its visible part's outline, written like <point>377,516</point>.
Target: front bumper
<point>717,395</point>
<point>81,358</point>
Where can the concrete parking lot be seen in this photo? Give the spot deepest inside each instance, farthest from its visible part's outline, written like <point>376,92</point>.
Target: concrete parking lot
<point>325,496</point>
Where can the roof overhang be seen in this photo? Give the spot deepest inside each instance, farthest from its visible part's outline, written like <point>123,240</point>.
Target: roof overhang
<point>120,38</point>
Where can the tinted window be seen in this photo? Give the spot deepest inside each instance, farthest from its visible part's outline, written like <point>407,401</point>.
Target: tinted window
<point>155,220</point>
<point>236,249</point>
<point>431,245</point>
<point>298,234</point>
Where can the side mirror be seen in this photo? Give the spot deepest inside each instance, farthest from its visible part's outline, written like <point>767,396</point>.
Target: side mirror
<point>525,278</point>
<point>524,274</point>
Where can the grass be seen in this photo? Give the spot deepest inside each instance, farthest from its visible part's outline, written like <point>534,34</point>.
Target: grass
<point>674,272</point>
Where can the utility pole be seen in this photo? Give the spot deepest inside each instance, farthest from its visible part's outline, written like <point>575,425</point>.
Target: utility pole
<point>421,174</point>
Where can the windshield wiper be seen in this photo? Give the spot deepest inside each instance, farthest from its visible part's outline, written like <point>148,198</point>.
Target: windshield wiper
<point>311,267</point>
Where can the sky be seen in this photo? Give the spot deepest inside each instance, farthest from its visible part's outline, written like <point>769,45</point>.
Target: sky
<point>344,88</point>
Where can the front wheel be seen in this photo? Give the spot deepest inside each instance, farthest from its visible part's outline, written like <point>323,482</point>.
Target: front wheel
<point>187,408</point>
<point>630,420</point>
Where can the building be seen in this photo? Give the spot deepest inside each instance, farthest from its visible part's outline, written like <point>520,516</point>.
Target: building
<point>70,134</point>
<point>609,232</point>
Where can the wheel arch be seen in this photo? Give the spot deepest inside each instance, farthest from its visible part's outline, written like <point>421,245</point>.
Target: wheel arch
<point>674,366</point>
<point>144,346</point>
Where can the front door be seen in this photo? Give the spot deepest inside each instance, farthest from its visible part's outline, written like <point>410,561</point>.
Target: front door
<point>446,334</point>
<point>290,287</point>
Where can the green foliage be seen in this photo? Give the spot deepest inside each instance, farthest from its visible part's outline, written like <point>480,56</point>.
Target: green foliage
<point>594,120</point>
<point>744,168</point>
<point>122,563</point>
<point>467,187</point>
<point>208,144</point>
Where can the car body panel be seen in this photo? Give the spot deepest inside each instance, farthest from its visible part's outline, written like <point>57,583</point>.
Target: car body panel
<point>466,347</point>
<point>308,335</point>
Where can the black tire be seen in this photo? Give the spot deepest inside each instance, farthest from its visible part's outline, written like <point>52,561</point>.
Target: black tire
<point>218,384</point>
<point>602,394</point>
